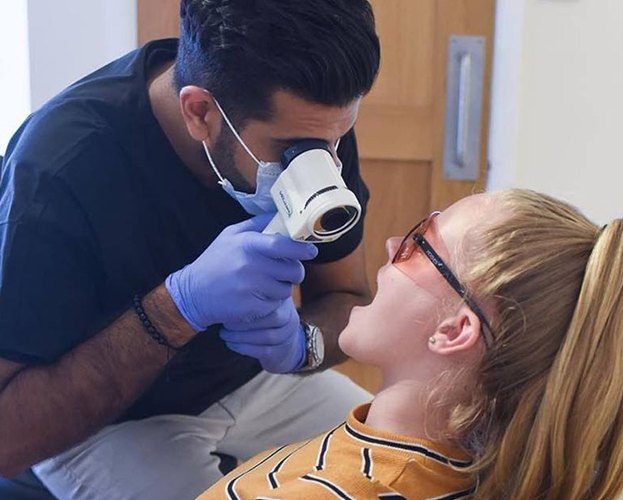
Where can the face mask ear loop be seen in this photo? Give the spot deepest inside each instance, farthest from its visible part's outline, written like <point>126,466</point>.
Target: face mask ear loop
<point>334,156</point>
<point>221,180</point>
<point>233,130</point>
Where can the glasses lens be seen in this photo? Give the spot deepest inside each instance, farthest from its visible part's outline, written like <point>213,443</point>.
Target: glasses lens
<point>406,249</point>
<point>408,245</point>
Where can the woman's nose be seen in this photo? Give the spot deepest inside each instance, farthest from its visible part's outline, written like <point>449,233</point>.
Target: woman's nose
<point>391,245</point>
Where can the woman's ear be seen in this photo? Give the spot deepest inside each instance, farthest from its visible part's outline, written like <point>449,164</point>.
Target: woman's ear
<point>457,334</point>
<point>201,115</point>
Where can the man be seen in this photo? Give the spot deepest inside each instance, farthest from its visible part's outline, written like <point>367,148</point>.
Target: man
<point>139,301</point>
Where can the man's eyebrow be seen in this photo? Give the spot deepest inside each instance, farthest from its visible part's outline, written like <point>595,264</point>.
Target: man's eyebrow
<point>290,140</point>
<point>286,141</point>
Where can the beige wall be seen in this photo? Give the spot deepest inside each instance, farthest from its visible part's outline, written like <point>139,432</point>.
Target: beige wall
<point>566,136</point>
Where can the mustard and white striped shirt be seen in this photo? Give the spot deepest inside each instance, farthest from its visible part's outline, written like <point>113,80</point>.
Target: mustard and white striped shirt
<point>352,461</point>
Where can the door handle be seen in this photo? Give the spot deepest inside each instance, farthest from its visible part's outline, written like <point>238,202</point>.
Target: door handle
<point>462,122</point>
<point>465,74</point>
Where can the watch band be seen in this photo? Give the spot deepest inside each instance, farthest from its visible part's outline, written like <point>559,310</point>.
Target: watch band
<point>314,347</point>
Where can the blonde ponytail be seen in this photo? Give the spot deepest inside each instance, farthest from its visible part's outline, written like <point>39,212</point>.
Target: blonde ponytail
<point>547,411</point>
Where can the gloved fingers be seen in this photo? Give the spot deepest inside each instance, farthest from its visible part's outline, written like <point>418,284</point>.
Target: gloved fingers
<point>272,290</point>
<point>276,246</point>
<point>279,318</point>
<point>273,360</point>
<point>265,337</point>
<point>255,224</point>
<point>260,352</point>
<point>285,270</point>
<point>257,311</point>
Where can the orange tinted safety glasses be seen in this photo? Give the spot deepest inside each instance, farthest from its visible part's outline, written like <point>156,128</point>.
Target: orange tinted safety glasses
<point>414,241</point>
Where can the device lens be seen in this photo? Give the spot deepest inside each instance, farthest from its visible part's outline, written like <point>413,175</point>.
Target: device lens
<point>337,218</point>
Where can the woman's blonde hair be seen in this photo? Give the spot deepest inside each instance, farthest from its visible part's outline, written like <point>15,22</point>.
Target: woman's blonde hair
<point>545,421</point>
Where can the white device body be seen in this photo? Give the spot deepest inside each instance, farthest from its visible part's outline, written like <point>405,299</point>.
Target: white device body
<point>313,202</point>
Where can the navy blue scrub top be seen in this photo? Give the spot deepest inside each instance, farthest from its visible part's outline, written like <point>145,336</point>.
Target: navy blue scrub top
<point>95,207</point>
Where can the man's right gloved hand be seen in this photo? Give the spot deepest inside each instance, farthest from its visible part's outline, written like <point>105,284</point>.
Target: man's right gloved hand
<point>242,276</point>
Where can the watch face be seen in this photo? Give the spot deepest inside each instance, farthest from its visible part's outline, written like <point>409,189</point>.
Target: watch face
<point>314,347</point>
<point>319,344</point>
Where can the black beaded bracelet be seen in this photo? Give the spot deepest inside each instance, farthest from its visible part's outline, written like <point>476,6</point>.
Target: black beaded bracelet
<point>149,326</point>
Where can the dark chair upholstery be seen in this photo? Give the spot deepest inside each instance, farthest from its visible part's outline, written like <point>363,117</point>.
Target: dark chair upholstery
<point>227,464</point>
<point>24,487</point>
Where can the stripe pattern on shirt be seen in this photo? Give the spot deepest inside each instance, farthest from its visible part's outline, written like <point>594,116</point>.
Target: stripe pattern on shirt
<point>334,488</point>
<point>272,475</point>
<point>366,462</point>
<point>324,449</point>
<point>230,489</point>
<point>415,448</point>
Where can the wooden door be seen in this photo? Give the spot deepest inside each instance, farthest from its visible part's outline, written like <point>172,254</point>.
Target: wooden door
<point>401,124</point>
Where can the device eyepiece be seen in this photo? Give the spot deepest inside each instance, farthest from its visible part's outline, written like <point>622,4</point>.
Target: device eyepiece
<point>336,219</point>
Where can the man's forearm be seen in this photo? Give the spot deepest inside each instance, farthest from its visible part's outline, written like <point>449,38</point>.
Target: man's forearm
<point>47,409</point>
<point>330,313</point>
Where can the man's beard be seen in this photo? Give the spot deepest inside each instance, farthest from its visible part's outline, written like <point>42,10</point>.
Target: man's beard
<point>223,156</point>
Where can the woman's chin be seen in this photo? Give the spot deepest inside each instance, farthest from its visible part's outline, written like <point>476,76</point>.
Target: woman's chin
<point>346,340</point>
<point>354,332</point>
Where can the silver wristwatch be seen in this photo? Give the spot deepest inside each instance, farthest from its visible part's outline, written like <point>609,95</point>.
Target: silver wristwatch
<point>314,347</point>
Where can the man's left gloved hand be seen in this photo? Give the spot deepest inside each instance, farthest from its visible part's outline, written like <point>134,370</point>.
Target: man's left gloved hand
<point>277,341</point>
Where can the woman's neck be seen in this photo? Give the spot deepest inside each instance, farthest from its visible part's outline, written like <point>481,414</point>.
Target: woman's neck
<point>403,408</point>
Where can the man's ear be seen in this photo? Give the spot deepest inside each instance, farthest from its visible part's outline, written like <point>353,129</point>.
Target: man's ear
<point>201,115</point>
<point>457,334</point>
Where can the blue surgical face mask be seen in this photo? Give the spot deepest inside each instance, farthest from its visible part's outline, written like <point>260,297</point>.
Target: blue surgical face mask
<point>260,202</point>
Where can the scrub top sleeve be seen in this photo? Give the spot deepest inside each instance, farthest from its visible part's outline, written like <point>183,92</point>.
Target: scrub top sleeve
<point>49,282</point>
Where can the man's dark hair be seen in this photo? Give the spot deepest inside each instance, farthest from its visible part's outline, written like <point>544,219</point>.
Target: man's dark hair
<point>242,51</point>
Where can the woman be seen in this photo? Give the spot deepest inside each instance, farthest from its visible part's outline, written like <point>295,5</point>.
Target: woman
<point>498,326</point>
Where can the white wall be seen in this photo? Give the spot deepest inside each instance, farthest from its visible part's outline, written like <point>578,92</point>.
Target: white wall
<point>54,43</point>
<point>569,120</point>
<point>14,68</point>
<point>505,92</point>
<point>83,36</point>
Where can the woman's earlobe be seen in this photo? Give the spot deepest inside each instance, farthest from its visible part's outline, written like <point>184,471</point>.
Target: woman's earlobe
<point>457,334</point>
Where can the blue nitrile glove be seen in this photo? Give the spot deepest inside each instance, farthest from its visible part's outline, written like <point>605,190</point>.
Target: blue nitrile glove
<point>242,276</point>
<point>277,341</point>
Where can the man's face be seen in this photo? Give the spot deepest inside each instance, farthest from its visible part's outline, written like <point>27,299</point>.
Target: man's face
<point>293,119</point>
